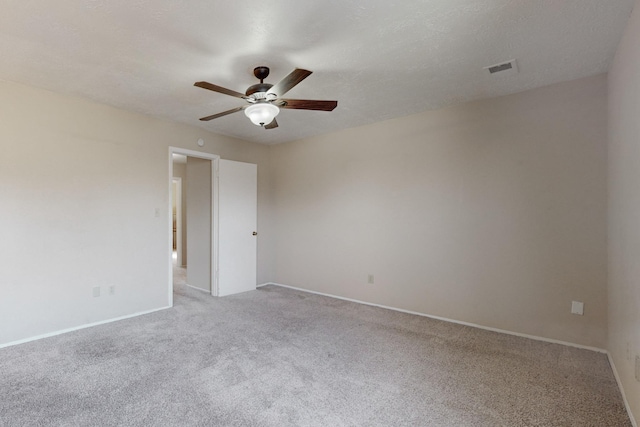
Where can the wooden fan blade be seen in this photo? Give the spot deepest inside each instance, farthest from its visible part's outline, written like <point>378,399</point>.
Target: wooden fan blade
<point>272,125</point>
<point>285,85</point>
<point>219,89</point>
<point>224,113</point>
<point>307,104</point>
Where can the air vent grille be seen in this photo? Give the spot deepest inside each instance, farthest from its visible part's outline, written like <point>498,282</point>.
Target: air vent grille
<point>509,66</point>
<point>501,67</point>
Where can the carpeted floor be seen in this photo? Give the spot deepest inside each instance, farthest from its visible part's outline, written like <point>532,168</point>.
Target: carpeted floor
<point>279,357</point>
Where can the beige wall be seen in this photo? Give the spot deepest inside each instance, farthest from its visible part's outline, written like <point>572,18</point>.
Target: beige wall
<point>492,212</point>
<point>79,186</point>
<point>200,220</point>
<point>624,210</point>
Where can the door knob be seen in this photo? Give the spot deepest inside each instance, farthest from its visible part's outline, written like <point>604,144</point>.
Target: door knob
<point>255,233</point>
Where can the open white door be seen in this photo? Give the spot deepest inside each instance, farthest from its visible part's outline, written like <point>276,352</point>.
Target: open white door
<point>237,221</point>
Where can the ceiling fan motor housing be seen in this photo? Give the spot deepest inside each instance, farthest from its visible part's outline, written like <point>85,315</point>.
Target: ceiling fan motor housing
<point>258,87</point>
<point>261,73</point>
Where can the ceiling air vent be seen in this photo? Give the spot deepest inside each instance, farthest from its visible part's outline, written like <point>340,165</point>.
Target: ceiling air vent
<point>509,67</point>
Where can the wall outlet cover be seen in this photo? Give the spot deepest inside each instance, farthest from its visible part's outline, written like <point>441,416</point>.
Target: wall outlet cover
<point>577,307</point>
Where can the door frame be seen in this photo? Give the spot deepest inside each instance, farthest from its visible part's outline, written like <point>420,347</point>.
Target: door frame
<point>214,213</point>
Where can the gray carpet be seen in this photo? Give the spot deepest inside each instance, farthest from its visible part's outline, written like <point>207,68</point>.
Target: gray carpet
<point>278,357</point>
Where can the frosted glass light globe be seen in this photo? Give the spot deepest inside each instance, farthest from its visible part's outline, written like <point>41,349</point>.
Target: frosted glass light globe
<point>262,113</point>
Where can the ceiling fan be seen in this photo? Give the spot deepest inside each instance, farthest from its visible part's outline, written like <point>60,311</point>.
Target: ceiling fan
<point>265,100</point>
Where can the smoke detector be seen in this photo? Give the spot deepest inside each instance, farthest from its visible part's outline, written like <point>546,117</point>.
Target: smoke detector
<point>509,67</point>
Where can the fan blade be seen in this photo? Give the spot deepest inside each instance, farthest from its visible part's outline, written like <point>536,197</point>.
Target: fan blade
<point>224,113</point>
<point>286,84</point>
<point>307,104</point>
<point>220,89</point>
<point>272,125</point>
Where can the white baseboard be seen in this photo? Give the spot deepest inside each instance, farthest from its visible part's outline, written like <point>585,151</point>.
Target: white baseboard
<point>459,322</point>
<point>76,328</point>
<point>624,396</point>
<point>197,289</point>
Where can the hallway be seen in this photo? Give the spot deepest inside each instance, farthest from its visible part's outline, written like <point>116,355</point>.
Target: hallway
<point>179,273</point>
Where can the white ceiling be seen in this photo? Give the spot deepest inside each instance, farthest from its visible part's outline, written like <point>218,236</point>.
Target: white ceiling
<point>379,58</point>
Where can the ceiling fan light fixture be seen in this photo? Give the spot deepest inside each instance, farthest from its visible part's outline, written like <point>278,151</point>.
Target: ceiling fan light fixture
<point>262,113</point>
<point>265,100</point>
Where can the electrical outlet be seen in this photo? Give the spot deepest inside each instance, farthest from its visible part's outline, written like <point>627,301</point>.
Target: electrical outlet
<point>370,279</point>
<point>577,307</point>
<point>112,290</point>
<point>628,353</point>
<point>637,368</point>
<point>96,291</point>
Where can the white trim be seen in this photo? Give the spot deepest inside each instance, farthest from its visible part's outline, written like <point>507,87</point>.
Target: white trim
<point>196,288</point>
<point>170,228</point>
<point>624,396</point>
<point>459,322</point>
<point>215,226</point>
<point>192,153</point>
<point>76,328</point>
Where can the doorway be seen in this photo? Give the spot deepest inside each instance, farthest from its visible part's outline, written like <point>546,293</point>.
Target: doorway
<point>221,223</point>
<point>196,230</point>
<point>177,202</point>
<point>179,247</point>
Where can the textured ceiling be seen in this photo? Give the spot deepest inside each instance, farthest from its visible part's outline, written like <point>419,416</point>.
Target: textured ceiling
<point>380,58</point>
